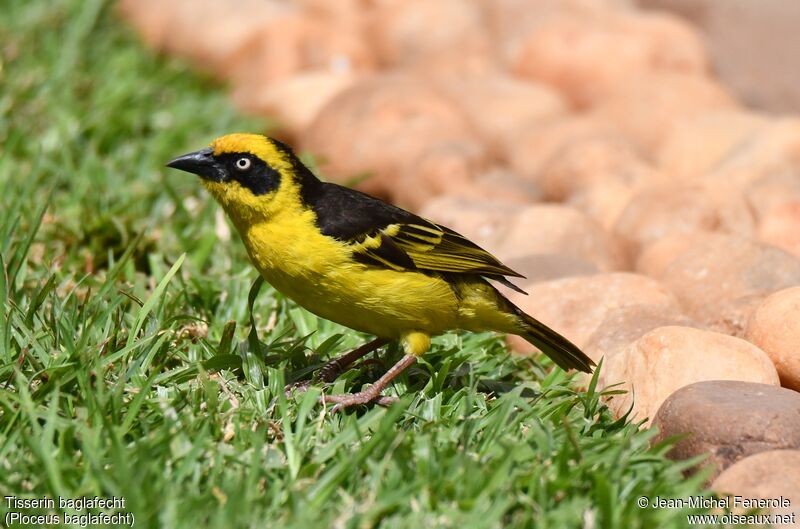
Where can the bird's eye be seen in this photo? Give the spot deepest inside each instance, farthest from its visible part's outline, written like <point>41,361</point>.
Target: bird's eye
<point>243,164</point>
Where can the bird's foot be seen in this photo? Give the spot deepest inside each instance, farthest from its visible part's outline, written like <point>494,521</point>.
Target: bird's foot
<point>369,396</point>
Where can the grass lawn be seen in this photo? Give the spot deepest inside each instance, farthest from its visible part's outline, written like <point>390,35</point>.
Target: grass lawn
<point>131,367</point>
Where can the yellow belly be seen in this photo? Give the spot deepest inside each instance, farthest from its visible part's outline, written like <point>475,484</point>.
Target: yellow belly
<point>318,274</point>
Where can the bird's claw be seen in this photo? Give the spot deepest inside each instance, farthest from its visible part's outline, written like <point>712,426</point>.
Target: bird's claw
<point>299,387</point>
<point>348,400</point>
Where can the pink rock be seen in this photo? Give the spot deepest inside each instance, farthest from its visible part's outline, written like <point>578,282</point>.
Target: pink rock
<point>775,327</point>
<point>295,101</point>
<point>726,277</point>
<point>656,256</point>
<point>780,227</point>
<point>657,211</point>
<point>649,106</point>
<point>411,34</point>
<point>572,52</point>
<point>173,27</point>
<point>482,221</point>
<point>299,43</point>
<point>668,358</point>
<point>537,143</point>
<point>511,22</point>
<point>624,325</point>
<point>773,476</point>
<point>577,306</point>
<point>409,123</point>
<point>553,229</point>
<point>499,106</point>
<point>593,160</point>
<point>703,141</point>
<point>764,163</point>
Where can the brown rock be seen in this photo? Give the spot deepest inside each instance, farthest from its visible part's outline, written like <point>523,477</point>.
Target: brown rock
<point>771,475</point>
<point>662,209</point>
<point>623,326</point>
<point>726,271</point>
<point>576,306</point>
<point>482,221</point>
<point>446,36</point>
<point>553,229</point>
<point>775,327</point>
<point>384,126</point>
<point>649,106</point>
<point>668,358</point>
<point>780,227</point>
<point>571,52</point>
<point>703,141</point>
<point>536,143</point>
<point>499,106</point>
<point>729,420</point>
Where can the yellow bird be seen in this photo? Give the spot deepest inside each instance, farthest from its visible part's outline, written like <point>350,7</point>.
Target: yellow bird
<point>360,262</point>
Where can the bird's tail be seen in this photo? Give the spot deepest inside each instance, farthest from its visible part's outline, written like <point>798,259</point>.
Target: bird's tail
<point>563,352</point>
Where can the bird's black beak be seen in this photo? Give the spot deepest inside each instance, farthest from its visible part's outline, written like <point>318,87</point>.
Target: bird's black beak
<point>201,163</point>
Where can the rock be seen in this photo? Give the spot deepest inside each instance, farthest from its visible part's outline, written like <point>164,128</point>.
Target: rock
<point>538,142</point>
<point>772,193</point>
<point>546,267</point>
<point>769,154</point>
<point>572,52</point>
<point>411,34</point>
<point>775,327</point>
<point>482,221</point>
<point>576,306</point>
<point>749,42</point>
<point>780,226</point>
<point>498,183</point>
<point>593,160</point>
<point>439,170</point>
<point>598,175</point>
<point>553,229</point>
<point>383,127</point>
<point>649,106</point>
<point>659,210</point>
<point>703,141</point>
<point>656,256</point>
<point>623,326</point>
<point>499,106</point>
<point>295,101</point>
<point>299,43</point>
<point>725,271</point>
<point>729,420</point>
<point>173,27</point>
<point>771,475</point>
<point>669,358</point>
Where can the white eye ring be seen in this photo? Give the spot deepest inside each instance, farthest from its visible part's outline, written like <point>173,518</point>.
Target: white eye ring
<point>243,164</point>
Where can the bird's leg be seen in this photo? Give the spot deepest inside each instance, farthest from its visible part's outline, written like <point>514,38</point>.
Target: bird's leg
<point>372,393</point>
<point>332,369</point>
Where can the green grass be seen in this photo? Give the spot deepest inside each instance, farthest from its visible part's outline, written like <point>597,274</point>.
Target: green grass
<point>129,366</point>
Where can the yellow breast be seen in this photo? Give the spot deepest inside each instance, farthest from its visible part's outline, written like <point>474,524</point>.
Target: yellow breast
<point>319,274</point>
